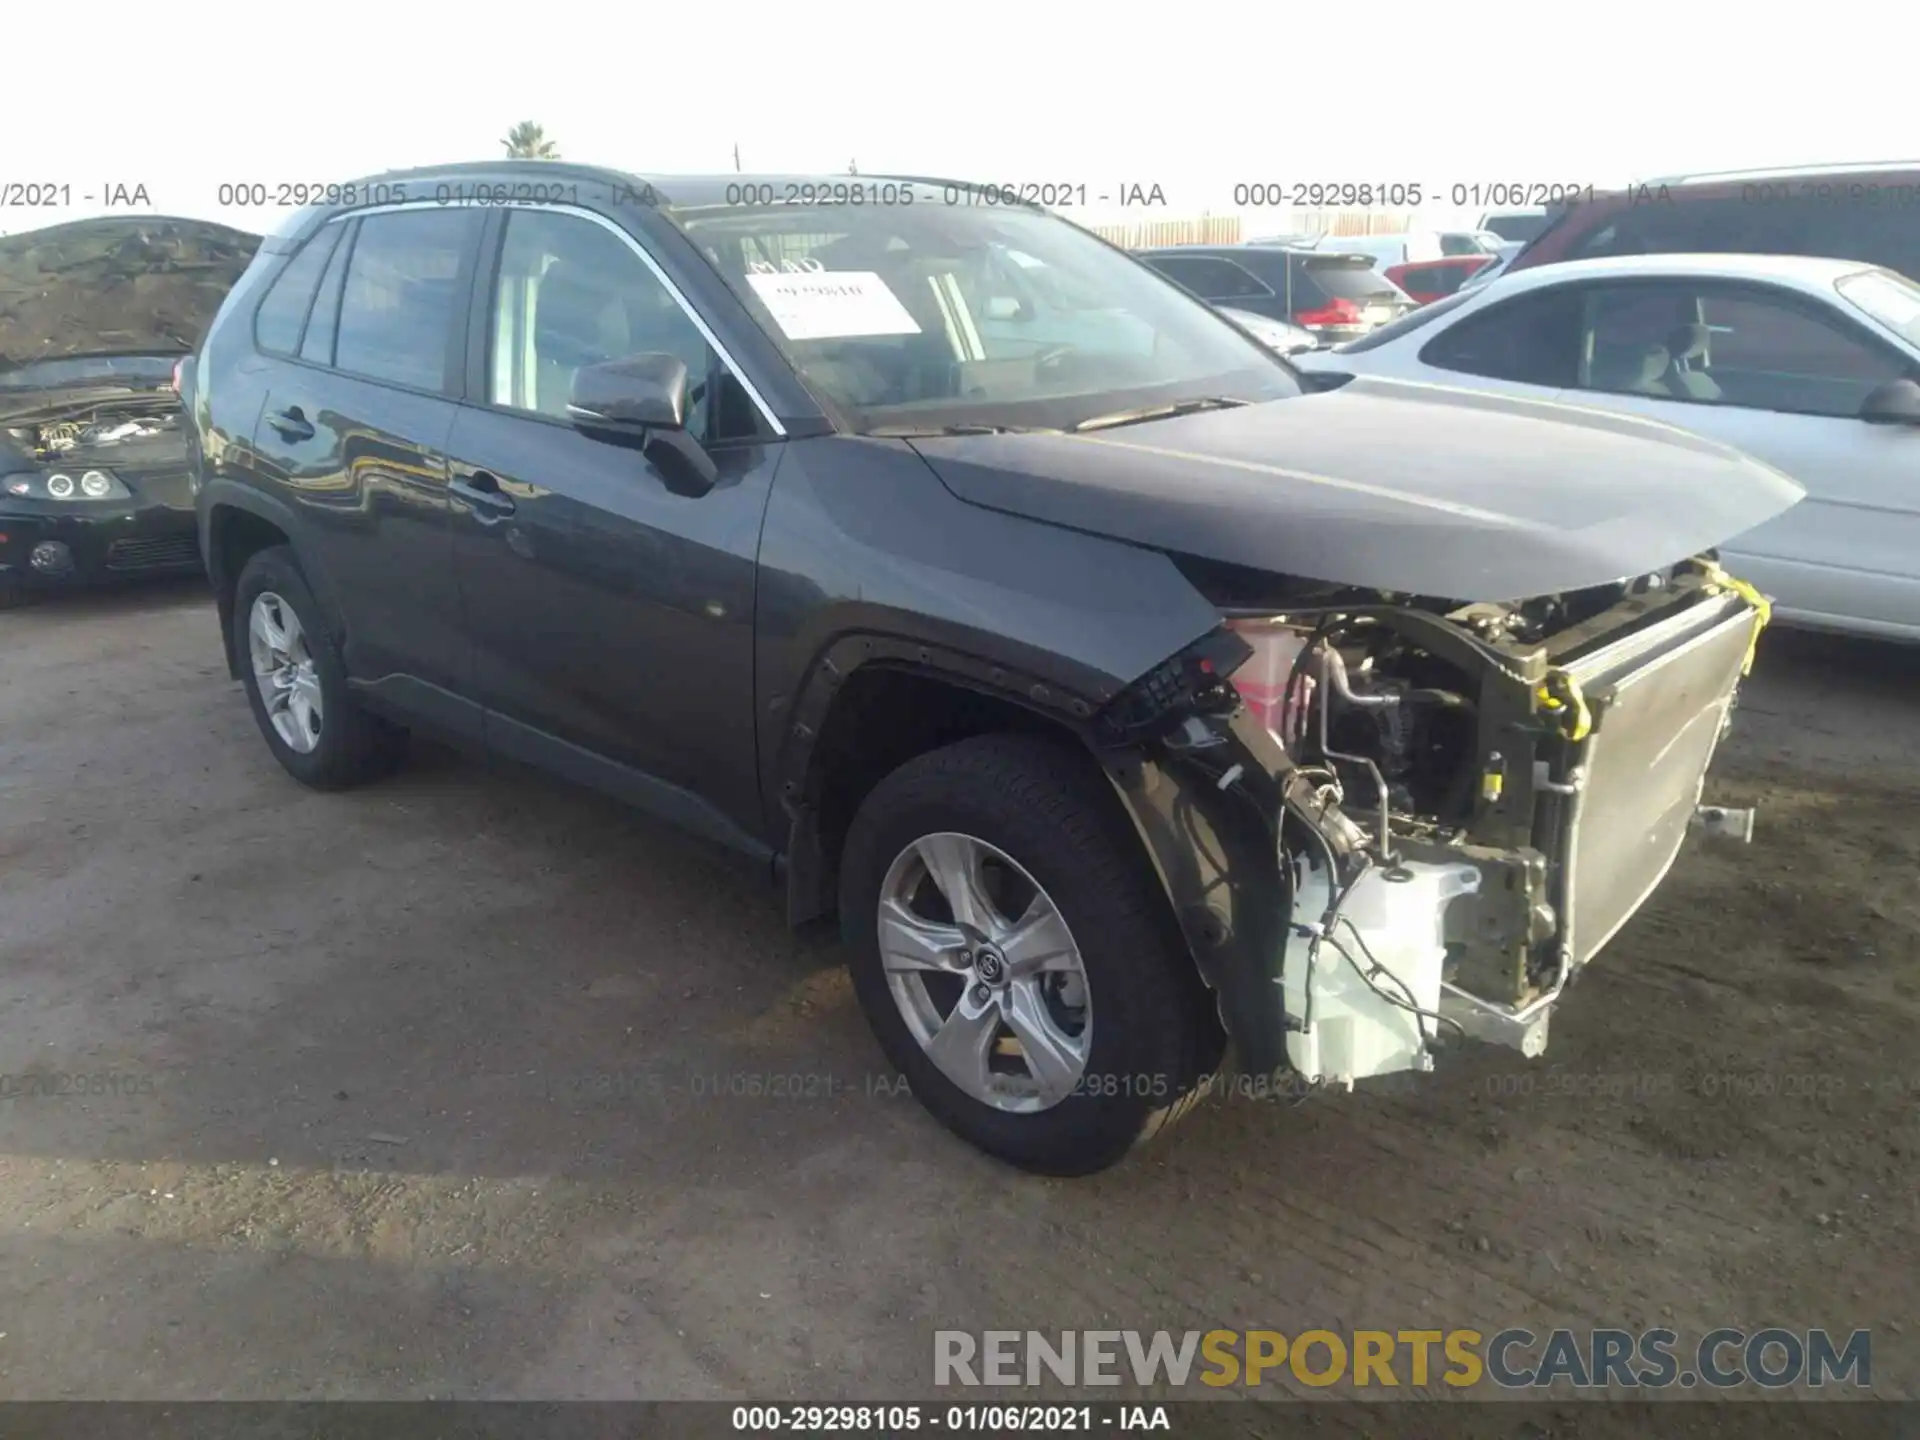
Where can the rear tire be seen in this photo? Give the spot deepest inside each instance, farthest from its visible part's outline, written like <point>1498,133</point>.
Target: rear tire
<point>346,745</point>
<point>1038,808</point>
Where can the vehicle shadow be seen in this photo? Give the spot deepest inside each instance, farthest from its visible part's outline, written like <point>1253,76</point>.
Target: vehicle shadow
<point>126,597</point>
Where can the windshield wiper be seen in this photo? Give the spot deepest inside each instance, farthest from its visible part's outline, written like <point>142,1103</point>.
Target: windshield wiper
<point>910,432</point>
<point>1158,412</point>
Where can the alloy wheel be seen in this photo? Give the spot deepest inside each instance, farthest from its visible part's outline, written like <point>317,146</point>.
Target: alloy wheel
<point>985,973</point>
<point>284,670</point>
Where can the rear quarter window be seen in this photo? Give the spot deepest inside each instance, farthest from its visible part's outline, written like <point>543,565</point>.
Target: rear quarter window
<point>282,315</point>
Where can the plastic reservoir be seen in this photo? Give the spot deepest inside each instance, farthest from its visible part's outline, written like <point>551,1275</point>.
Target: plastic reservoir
<point>1357,1032</point>
<point>1262,680</point>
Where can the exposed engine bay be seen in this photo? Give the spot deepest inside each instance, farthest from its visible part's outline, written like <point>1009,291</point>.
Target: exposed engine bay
<point>99,426</point>
<point>1470,799</point>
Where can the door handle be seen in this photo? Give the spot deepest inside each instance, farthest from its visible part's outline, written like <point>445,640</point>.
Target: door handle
<point>482,491</point>
<point>291,424</point>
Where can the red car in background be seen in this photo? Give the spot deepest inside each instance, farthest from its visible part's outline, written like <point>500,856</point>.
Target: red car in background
<point>1428,280</point>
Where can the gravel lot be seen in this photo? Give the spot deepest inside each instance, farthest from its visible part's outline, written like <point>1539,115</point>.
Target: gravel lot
<point>418,1088</point>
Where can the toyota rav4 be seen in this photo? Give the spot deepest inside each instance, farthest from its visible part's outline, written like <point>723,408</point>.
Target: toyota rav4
<point>1121,698</point>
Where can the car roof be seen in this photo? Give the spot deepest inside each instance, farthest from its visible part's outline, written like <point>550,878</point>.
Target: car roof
<point>690,189</point>
<point>1805,271</point>
<point>667,191</point>
<point>1790,172</point>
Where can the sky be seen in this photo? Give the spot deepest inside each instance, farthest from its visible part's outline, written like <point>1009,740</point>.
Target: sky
<point>1103,97</point>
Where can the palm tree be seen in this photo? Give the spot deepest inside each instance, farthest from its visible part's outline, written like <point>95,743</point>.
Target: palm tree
<point>527,141</point>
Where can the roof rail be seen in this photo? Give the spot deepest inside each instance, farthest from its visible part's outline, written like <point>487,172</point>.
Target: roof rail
<point>1851,167</point>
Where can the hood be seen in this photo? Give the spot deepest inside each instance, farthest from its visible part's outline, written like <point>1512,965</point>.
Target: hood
<point>115,284</point>
<point>1387,485</point>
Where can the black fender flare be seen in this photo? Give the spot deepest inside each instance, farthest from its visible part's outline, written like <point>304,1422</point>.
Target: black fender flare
<point>1066,694</point>
<point>1214,849</point>
<point>220,493</point>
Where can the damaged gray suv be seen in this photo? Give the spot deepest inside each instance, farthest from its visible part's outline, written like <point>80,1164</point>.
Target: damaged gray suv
<point>1121,697</point>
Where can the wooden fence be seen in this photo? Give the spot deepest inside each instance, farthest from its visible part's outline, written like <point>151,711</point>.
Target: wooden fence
<point>1232,229</point>
<point>1148,234</point>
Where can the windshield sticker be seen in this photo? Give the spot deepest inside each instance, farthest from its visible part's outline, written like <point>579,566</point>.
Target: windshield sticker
<point>833,305</point>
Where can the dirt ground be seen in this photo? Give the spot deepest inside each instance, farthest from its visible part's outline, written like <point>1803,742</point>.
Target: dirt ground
<point>417,1088</point>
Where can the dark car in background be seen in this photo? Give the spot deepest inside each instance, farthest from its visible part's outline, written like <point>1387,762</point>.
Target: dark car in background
<point>1429,280</point>
<point>1333,295</point>
<point>1516,225</point>
<point>1868,212</point>
<point>971,578</point>
<point>95,316</point>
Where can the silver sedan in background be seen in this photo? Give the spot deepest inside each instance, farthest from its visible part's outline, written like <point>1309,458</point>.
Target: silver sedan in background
<point>1810,365</point>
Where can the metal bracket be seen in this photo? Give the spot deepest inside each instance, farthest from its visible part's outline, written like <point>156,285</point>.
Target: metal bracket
<point>1722,823</point>
<point>1522,1030</point>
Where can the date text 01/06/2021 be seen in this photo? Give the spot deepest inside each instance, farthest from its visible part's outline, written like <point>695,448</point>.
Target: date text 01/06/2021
<point>961,1419</point>
<point>296,194</point>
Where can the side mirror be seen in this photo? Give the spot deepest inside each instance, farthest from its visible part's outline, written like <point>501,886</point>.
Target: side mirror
<point>631,396</point>
<point>642,400</point>
<point>1895,403</point>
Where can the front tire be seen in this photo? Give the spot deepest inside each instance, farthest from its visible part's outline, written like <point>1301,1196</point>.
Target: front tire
<point>297,684</point>
<point>1016,959</point>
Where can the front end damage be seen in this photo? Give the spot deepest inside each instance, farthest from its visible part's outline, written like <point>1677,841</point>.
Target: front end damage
<point>1386,822</point>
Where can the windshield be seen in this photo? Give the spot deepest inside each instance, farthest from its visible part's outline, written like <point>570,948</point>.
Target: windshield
<point>1891,299</point>
<point>930,314</point>
<point>1350,281</point>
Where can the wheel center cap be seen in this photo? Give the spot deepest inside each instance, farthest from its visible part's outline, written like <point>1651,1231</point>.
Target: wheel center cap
<point>991,965</point>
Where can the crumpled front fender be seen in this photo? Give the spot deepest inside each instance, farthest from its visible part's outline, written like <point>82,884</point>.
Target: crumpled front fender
<point>1209,815</point>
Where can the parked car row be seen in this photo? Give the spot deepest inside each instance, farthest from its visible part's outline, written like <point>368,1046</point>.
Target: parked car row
<point>1332,296</point>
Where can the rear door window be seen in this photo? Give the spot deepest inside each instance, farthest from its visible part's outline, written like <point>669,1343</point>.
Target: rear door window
<point>402,296</point>
<point>282,315</point>
<point>1350,281</point>
<point>1719,344</point>
<point>1532,339</point>
<point>1209,277</point>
